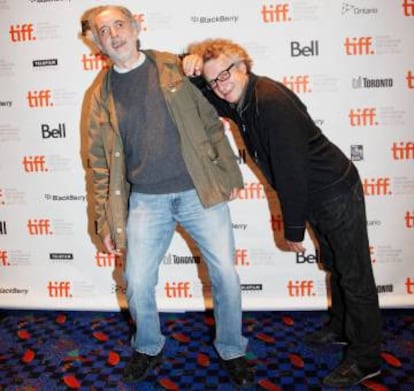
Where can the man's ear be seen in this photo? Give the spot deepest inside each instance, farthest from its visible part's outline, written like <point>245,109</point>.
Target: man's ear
<point>136,24</point>
<point>242,67</point>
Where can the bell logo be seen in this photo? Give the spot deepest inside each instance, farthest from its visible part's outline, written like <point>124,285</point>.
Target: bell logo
<point>240,257</point>
<point>311,50</point>
<point>175,290</point>
<point>108,260</point>
<point>21,32</point>
<point>34,163</point>
<point>410,80</point>
<point>408,7</point>
<point>300,288</point>
<point>298,84</point>
<point>94,62</point>
<point>57,289</point>
<point>403,151</point>
<point>377,186</point>
<point>276,223</point>
<point>39,227</point>
<point>59,132</point>
<point>311,258</point>
<point>409,283</point>
<point>4,258</point>
<point>363,117</point>
<point>275,13</point>
<point>3,228</point>
<point>39,98</point>
<point>409,219</point>
<point>361,46</point>
<point>242,158</point>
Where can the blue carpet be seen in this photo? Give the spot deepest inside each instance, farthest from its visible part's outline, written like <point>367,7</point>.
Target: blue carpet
<point>46,350</point>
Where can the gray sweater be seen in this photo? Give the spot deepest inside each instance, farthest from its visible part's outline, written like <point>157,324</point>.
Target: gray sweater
<point>153,158</point>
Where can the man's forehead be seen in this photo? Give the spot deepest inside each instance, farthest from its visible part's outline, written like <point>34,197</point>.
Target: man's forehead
<point>110,15</point>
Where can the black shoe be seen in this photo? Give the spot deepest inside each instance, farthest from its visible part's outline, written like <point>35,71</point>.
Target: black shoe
<point>324,336</point>
<point>139,366</point>
<point>349,374</point>
<point>240,372</point>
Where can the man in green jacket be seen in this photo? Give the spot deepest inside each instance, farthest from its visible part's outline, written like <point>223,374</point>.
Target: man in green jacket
<point>159,157</point>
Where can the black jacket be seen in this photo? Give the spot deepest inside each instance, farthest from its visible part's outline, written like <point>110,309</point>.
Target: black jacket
<point>295,157</point>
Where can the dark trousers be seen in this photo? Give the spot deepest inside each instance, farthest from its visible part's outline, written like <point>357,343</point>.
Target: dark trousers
<point>338,220</point>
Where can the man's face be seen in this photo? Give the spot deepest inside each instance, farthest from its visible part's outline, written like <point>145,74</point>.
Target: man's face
<point>227,78</point>
<point>117,37</point>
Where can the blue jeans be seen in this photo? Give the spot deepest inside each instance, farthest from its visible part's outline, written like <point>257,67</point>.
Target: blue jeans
<point>340,225</point>
<point>151,224</point>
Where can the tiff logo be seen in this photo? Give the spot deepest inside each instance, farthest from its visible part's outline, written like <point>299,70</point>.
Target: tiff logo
<point>276,223</point>
<point>377,186</point>
<point>177,289</point>
<point>240,257</point>
<point>361,46</point>
<point>94,62</point>
<point>4,258</point>
<point>409,219</point>
<point>298,84</point>
<point>40,98</point>
<point>22,32</point>
<point>251,191</point>
<point>34,163</point>
<point>38,227</point>
<point>58,289</point>
<point>3,228</point>
<point>275,13</point>
<point>300,288</point>
<point>363,117</point>
<point>410,80</point>
<point>372,254</point>
<point>403,151</point>
<point>108,260</point>
<point>409,283</point>
<point>408,7</point>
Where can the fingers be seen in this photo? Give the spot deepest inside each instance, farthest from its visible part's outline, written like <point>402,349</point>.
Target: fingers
<point>192,65</point>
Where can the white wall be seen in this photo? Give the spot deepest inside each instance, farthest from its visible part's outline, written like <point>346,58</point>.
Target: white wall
<point>350,62</point>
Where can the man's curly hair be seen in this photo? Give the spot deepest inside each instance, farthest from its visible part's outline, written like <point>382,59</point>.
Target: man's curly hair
<point>211,49</point>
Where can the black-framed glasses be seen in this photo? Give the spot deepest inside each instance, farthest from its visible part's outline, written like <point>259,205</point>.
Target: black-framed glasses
<point>222,76</point>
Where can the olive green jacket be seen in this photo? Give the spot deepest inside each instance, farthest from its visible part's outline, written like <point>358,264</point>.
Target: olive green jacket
<point>207,154</point>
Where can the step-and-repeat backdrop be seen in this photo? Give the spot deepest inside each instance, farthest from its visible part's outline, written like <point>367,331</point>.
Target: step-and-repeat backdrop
<point>351,62</point>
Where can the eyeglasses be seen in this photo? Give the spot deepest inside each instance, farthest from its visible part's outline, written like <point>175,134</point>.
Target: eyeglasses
<point>222,76</point>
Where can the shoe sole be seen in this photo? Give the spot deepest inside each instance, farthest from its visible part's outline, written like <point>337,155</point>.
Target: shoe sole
<point>145,374</point>
<point>369,376</point>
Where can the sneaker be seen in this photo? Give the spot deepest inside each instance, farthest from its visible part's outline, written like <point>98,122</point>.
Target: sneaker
<point>324,336</point>
<point>349,374</point>
<point>240,372</point>
<point>139,366</point>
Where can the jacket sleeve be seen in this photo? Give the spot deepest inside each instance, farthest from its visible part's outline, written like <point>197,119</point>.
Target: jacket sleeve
<point>99,166</point>
<point>286,126</point>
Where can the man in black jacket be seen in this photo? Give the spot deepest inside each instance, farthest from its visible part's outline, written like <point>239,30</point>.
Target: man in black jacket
<point>316,184</point>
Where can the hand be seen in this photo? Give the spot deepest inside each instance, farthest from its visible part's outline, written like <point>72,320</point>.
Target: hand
<point>192,65</point>
<point>233,194</point>
<point>109,246</point>
<point>296,247</point>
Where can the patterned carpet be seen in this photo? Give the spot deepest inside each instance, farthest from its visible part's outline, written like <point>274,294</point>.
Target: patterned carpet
<point>46,350</point>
